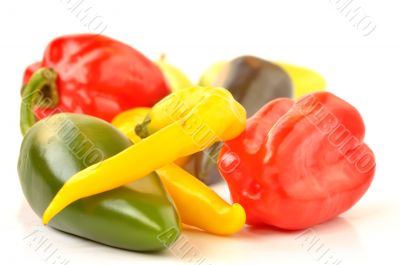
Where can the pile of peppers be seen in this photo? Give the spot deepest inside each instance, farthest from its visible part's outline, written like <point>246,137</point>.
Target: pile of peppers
<point>107,137</point>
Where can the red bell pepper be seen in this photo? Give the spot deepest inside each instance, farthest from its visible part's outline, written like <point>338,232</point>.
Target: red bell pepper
<point>299,164</point>
<point>92,74</point>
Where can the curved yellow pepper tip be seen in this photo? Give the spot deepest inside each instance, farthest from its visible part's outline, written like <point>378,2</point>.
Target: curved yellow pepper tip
<point>200,206</point>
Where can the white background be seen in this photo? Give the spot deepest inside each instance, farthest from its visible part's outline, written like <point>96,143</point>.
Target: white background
<point>363,70</point>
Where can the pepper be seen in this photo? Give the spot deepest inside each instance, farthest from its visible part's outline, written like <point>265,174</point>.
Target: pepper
<point>253,82</point>
<point>95,75</point>
<point>298,164</point>
<point>197,204</point>
<point>130,217</point>
<point>186,122</point>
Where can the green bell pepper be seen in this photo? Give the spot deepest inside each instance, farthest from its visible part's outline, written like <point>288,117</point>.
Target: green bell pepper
<point>130,217</point>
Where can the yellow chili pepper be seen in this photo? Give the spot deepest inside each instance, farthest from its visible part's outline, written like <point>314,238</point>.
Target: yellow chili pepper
<point>197,204</point>
<point>194,118</point>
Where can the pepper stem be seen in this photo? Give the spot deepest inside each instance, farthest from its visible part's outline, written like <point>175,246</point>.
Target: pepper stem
<point>41,90</point>
<point>142,129</point>
<point>163,57</point>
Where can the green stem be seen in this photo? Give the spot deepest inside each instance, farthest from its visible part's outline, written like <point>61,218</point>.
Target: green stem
<point>41,90</point>
<point>142,129</point>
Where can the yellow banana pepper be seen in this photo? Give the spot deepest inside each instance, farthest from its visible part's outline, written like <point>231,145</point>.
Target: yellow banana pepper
<point>197,204</point>
<point>192,119</point>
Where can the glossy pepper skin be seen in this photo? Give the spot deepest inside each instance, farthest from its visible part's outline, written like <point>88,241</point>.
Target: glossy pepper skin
<point>130,217</point>
<point>197,205</point>
<point>197,116</point>
<point>97,75</point>
<point>299,164</point>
